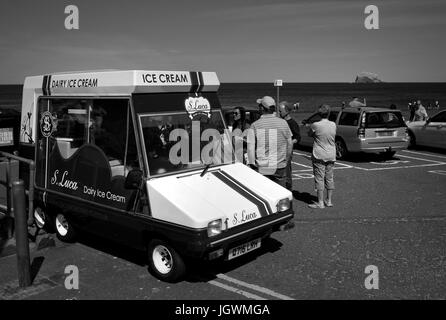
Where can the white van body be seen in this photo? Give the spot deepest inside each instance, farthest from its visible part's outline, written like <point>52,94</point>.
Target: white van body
<point>99,140</point>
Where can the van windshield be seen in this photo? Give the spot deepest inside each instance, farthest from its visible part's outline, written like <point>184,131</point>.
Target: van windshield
<point>173,142</point>
<point>385,119</point>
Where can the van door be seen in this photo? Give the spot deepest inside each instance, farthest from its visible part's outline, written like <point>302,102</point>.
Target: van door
<point>85,149</point>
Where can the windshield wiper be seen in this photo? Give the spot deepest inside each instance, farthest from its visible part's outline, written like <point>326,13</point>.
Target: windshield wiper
<point>205,169</point>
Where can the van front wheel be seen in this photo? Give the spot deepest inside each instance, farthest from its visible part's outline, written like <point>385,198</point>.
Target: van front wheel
<point>164,262</point>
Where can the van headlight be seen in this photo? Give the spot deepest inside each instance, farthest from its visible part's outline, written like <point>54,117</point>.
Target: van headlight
<point>214,228</point>
<point>283,205</point>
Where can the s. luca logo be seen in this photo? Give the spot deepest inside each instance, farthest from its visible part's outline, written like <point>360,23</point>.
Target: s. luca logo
<point>197,106</point>
<point>48,124</point>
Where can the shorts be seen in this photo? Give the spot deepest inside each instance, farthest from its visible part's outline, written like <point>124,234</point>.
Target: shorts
<point>323,174</point>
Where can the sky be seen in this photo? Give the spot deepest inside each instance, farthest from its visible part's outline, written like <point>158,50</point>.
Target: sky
<point>241,40</point>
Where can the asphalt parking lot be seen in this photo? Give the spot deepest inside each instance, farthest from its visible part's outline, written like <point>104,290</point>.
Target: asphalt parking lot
<point>388,214</point>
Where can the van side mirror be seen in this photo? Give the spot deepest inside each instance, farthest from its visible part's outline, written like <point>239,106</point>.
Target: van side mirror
<point>133,180</point>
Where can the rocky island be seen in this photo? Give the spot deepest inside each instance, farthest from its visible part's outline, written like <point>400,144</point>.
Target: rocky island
<point>367,77</point>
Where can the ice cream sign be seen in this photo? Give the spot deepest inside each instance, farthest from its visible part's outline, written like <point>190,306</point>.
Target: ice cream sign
<point>197,106</point>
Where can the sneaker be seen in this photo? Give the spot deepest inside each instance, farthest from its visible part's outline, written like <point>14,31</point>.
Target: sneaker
<point>328,204</point>
<point>316,205</point>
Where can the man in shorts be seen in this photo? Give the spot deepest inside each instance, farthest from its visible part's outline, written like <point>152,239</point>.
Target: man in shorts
<point>323,157</point>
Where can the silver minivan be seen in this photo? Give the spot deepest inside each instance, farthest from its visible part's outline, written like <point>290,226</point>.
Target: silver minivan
<point>363,129</point>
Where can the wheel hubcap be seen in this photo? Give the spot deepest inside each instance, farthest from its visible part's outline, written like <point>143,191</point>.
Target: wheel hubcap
<point>61,225</point>
<point>162,259</point>
<point>39,219</point>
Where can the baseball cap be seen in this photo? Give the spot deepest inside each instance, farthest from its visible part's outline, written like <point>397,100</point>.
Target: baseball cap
<point>266,102</point>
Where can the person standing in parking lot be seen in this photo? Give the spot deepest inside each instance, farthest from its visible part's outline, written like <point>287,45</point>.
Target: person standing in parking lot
<point>273,147</point>
<point>323,157</point>
<point>420,113</point>
<point>285,109</point>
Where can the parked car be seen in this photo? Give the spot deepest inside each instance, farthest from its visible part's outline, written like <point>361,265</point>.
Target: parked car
<point>430,133</point>
<point>363,129</point>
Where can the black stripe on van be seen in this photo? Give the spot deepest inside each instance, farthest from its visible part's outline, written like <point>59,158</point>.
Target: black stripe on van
<point>194,80</point>
<point>49,85</point>
<point>264,201</point>
<point>200,79</point>
<point>259,204</point>
<point>45,85</point>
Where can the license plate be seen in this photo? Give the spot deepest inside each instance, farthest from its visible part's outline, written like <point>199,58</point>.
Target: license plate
<point>244,249</point>
<point>385,133</point>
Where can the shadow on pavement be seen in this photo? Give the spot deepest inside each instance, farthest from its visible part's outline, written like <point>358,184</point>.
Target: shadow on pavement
<point>35,267</point>
<point>304,197</point>
<point>199,271</point>
<point>113,248</point>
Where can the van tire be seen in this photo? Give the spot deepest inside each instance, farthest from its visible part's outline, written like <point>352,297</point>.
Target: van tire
<point>341,149</point>
<point>64,230</point>
<point>164,261</point>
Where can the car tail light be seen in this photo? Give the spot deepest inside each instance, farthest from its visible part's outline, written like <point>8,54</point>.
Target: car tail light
<point>361,133</point>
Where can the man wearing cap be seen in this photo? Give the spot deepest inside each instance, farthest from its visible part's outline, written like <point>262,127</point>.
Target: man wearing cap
<point>285,109</point>
<point>273,147</point>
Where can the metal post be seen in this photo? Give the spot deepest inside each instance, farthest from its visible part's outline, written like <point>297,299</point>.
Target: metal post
<point>277,102</point>
<point>32,174</point>
<point>21,234</point>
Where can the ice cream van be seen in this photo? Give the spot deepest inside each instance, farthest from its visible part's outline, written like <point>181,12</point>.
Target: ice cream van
<point>120,154</point>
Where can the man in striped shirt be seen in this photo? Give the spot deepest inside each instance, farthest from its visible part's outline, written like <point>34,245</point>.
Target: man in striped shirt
<point>273,144</point>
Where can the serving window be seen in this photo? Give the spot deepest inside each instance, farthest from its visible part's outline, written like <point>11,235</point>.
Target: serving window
<point>90,142</point>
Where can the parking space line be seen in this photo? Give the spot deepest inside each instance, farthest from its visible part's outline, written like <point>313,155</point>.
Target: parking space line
<point>406,167</point>
<point>425,154</point>
<point>300,154</point>
<point>441,172</point>
<point>254,287</point>
<point>346,166</point>
<point>235,290</point>
<point>420,159</point>
<point>302,165</point>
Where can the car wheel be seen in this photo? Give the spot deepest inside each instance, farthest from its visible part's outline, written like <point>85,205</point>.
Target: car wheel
<point>412,141</point>
<point>64,229</point>
<point>341,149</point>
<point>164,262</point>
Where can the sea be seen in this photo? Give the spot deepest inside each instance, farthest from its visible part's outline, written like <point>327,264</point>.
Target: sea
<point>309,95</point>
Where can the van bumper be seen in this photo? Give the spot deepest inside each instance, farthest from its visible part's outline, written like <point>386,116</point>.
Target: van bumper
<point>261,228</point>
